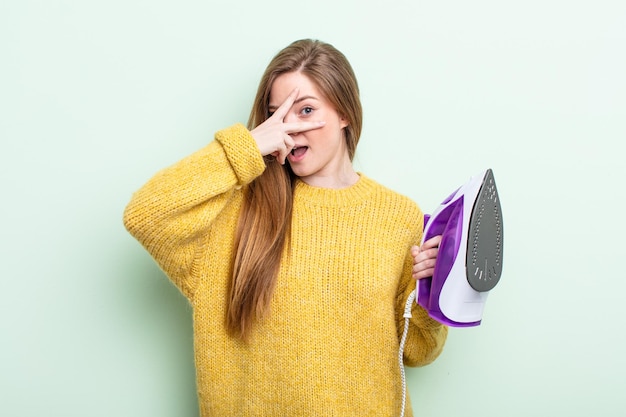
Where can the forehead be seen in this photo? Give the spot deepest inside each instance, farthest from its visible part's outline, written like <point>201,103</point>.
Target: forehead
<point>286,83</point>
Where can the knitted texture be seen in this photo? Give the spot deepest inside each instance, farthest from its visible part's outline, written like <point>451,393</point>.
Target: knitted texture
<point>330,343</point>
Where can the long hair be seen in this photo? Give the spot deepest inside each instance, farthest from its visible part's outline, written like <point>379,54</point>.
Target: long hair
<point>265,218</point>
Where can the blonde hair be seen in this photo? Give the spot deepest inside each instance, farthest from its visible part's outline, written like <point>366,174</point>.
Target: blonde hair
<point>265,218</point>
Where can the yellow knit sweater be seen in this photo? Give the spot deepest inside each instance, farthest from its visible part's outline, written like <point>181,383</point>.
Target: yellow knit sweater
<point>329,346</point>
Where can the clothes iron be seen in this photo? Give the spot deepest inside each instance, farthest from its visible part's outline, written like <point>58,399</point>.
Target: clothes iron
<point>469,263</point>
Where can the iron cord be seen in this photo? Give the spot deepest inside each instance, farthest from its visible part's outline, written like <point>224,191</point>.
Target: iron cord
<point>407,317</point>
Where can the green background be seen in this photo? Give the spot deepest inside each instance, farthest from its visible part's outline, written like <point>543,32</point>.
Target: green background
<point>96,96</point>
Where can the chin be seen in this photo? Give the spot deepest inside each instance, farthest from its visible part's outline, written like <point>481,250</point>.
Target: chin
<point>301,171</point>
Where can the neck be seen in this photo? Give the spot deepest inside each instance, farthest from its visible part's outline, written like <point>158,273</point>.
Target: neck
<point>344,179</point>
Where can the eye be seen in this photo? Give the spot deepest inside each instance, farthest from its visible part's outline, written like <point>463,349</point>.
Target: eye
<point>306,111</point>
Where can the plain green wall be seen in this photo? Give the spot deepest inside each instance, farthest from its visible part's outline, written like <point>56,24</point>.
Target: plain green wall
<point>95,96</point>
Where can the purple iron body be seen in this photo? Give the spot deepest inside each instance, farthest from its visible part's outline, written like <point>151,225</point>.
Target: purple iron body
<point>469,263</point>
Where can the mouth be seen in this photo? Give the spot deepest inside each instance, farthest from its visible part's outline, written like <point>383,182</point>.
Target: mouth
<point>299,151</point>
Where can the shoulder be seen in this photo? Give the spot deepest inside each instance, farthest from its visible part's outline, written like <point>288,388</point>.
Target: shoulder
<point>396,206</point>
<point>386,195</point>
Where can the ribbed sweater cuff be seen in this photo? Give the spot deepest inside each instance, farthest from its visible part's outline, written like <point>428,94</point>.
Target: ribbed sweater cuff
<point>422,320</point>
<point>242,152</point>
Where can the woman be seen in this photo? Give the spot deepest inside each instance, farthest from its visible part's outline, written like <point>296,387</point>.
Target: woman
<point>297,267</point>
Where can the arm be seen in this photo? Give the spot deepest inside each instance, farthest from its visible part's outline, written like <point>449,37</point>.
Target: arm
<point>172,212</point>
<point>426,336</point>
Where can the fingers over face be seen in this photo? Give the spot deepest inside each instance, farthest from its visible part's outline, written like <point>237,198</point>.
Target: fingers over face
<point>294,127</point>
<point>285,148</point>
<point>303,126</point>
<point>282,110</point>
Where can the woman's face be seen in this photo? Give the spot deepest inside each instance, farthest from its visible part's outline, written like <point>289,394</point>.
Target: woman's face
<point>320,157</point>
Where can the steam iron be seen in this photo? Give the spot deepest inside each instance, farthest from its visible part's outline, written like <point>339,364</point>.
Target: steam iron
<point>469,263</point>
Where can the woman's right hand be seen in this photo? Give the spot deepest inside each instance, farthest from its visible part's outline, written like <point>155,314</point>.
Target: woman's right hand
<point>273,135</point>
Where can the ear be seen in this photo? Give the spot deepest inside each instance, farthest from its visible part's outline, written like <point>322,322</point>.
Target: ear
<point>343,122</point>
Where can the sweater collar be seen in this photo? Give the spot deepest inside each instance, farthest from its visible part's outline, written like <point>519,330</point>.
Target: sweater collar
<point>330,197</point>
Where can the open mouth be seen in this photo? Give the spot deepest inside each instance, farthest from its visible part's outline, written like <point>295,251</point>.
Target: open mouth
<point>299,150</point>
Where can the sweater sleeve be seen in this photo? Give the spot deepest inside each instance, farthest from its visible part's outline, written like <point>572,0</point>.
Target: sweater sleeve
<point>172,212</point>
<point>426,336</point>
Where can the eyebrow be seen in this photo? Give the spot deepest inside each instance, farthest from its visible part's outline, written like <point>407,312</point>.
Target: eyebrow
<point>298,100</point>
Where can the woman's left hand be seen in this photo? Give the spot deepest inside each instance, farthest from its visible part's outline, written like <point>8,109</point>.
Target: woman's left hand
<point>424,258</point>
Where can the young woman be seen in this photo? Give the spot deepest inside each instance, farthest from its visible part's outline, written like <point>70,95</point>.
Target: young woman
<point>297,267</point>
